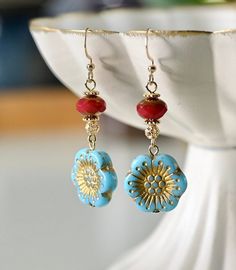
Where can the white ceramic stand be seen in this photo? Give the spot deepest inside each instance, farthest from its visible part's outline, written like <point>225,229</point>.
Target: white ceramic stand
<point>196,75</point>
<point>201,232</point>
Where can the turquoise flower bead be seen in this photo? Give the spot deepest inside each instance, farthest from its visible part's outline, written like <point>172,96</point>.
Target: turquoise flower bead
<point>156,184</point>
<point>94,177</point>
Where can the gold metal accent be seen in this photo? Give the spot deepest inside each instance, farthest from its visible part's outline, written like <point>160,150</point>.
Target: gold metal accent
<point>152,131</point>
<point>34,26</point>
<point>90,118</point>
<point>92,141</point>
<point>151,85</point>
<point>132,33</point>
<point>155,121</point>
<point>91,65</point>
<point>169,33</point>
<point>154,185</point>
<point>92,127</point>
<point>153,149</point>
<point>90,83</point>
<point>88,179</point>
<point>147,48</point>
<point>107,169</point>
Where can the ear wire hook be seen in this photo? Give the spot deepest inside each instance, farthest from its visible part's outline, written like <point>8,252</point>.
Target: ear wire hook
<point>146,46</point>
<point>90,83</point>
<point>151,85</point>
<point>85,46</point>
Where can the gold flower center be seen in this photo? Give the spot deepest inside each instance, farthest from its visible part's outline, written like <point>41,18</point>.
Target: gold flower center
<point>88,178</point>
<point>154,184</point>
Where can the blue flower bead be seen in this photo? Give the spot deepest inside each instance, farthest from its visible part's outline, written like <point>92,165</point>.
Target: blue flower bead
<point>155,184</point>
<point>94,177</point>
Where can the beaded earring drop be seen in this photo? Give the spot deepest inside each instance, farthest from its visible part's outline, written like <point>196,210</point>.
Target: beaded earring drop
<point>92,173</point>
<point>155,181</point>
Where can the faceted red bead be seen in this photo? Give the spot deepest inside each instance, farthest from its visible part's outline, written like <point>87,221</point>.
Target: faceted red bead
<point>90,105</point>
<point>151,108</point>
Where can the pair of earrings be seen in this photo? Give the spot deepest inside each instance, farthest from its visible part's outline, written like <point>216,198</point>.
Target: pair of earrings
<point>155,181</point>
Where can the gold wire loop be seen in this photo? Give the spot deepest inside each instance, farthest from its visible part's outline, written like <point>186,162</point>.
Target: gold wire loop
<point>151,86</point>
<point>92,141</point>
<point>153,150</point>
<point>90,84</point>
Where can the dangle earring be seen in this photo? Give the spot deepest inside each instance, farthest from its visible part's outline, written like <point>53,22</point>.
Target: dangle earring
<point>155,181</point>
<point>92,173</point>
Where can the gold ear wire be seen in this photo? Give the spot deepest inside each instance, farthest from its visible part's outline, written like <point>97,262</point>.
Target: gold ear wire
<point>151,85</point>
<point>146,46</point>
<point>90,83</point>
<point>85,46</point>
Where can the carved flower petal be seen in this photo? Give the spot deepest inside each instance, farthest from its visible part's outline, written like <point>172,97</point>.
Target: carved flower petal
<point>170,205</point>
<point>84,199</point>
<point>180,184</point>
<point>81,154</point>
<point>130,185</point>
<point>167,160</point>
<point>140,163</point>
<point>73,174</point>
<point>103,200</point>
<point>153,207</point>
<point>101,158</point>
<point>109,180</point>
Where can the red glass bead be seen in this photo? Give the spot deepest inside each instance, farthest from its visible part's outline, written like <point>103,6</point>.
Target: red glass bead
<point>90,105</point>
<point>151,108</point>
